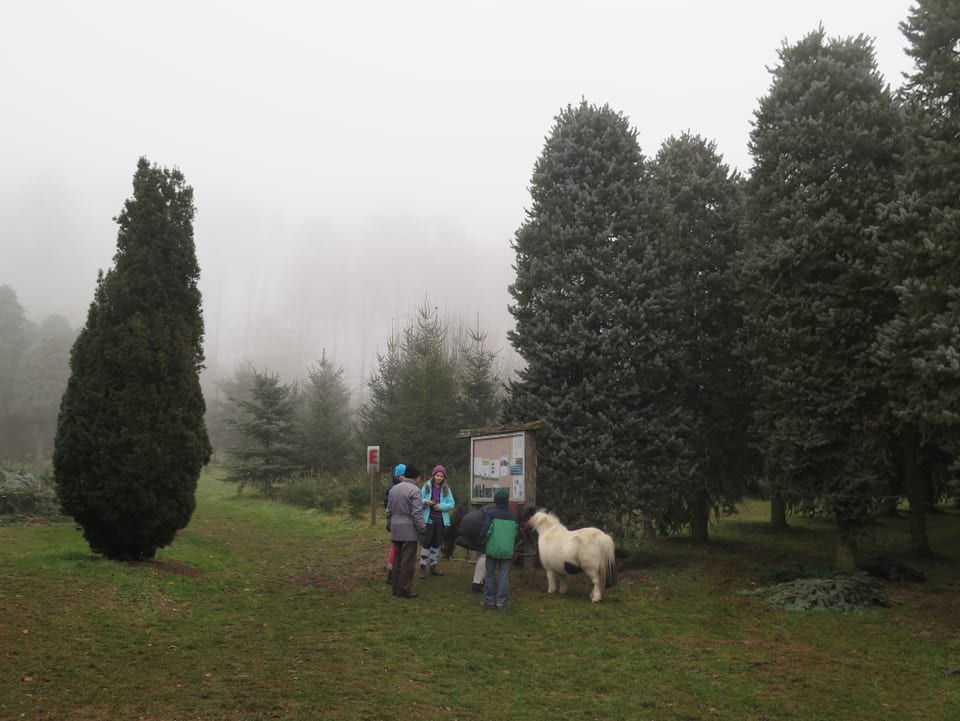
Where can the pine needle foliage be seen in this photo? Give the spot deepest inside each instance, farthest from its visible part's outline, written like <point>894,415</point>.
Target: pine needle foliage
<point>839,593</point>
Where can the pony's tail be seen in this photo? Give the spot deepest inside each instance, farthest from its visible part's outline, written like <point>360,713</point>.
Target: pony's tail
<point>609,564</point>
<point>611,580</point>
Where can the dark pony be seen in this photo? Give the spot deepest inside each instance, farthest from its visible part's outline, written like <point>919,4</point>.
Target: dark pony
<point>450,533</point>
<point>459,533</point>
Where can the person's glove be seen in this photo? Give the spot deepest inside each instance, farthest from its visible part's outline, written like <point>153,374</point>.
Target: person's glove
<point>388,525</point>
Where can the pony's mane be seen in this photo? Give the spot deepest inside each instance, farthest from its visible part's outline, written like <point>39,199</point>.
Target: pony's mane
<point>547,518</point>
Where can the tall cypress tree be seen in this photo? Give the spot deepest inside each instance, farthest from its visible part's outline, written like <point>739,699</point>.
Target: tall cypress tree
<point>825,153</point>
<point>131,440</point>
<point>576,307</point>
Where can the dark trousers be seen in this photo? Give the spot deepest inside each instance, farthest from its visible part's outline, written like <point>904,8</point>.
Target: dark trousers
<point>404,565</point>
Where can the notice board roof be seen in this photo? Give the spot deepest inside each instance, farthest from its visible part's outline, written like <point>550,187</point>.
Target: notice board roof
<point>492,430</point>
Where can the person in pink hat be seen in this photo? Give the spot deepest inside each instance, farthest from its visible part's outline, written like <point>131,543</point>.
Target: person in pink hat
<point>437,503</point>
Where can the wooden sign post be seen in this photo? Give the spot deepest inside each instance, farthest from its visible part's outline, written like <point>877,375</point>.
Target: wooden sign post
<point>373,470</point>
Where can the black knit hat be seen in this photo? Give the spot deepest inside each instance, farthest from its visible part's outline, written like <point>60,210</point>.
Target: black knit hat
<point>412,472</point>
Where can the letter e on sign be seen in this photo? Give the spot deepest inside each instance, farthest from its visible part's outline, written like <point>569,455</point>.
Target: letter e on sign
<point>373,459</point>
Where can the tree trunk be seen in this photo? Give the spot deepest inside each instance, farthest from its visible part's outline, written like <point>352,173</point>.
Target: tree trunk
<point>916,492</point>
<point>888,507</point>
<point>700,518</point>
<point>846,559</point>
<point>778,511</point>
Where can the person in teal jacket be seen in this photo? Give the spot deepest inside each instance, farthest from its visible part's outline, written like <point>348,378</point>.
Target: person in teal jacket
<point>437,504</point>
<point>499,529</point>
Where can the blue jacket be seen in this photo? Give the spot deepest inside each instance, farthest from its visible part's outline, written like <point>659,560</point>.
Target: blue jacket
<point>446,504</point>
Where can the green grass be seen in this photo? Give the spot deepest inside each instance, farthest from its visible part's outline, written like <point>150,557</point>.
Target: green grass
<point>263,611</point>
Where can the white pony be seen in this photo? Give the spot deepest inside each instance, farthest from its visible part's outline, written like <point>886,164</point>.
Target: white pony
<point>563,552</point>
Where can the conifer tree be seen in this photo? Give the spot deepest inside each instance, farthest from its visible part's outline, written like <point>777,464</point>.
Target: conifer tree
<point>380,417</point>
<point>131,440</point>
<point>13,346</point>
<point>428,386</point>
<point>579,322</point>
<point>266,421</point>
<point>480,393</point>
<point>824,146</point>
<point>918,350</point>
<point>428,392</point>
<point>222,407</point>
<point>326,423</point>
<point>40,385</point>
<point>413,412</point>
<point>692,210</point>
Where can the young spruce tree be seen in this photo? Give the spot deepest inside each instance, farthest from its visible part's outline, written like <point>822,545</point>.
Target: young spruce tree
<point>413,412</point>
<point>327,433</point>
<point>265,417</point>
<point>131,440</point>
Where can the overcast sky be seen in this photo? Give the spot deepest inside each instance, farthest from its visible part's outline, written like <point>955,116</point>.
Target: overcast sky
<point>351,160</point>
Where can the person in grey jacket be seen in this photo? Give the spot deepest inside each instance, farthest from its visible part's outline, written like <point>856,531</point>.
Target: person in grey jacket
<point>406,525</point>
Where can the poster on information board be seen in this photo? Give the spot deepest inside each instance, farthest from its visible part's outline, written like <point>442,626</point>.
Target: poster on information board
<point>497,461</point>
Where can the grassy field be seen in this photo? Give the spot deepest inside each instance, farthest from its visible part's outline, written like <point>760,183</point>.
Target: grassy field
<point>263,611</point>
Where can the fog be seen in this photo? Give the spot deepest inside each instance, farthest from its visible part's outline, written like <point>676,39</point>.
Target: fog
<point>351,161</point>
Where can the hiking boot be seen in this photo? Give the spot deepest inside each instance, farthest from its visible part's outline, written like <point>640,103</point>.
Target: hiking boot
<point>434,571</point>
<point>476,587</point>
